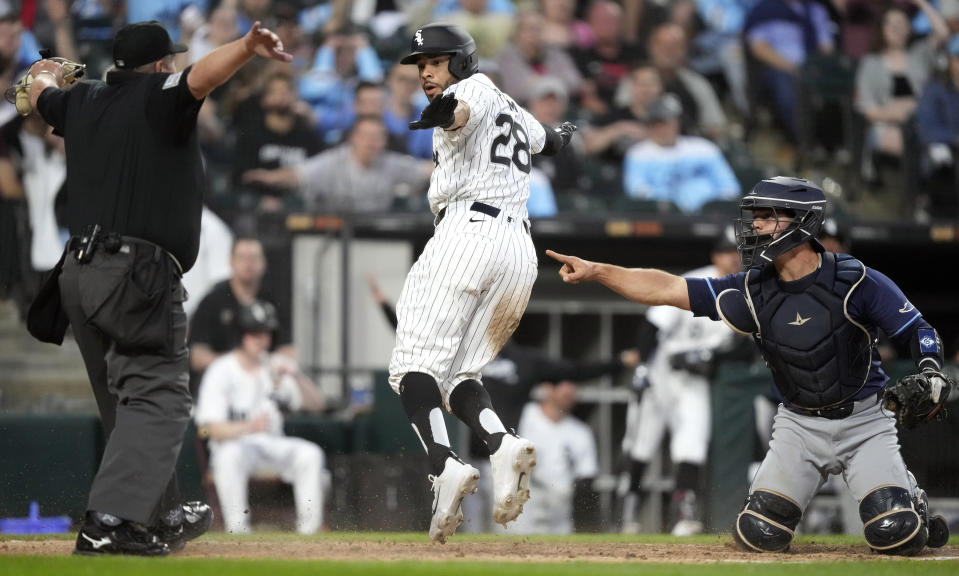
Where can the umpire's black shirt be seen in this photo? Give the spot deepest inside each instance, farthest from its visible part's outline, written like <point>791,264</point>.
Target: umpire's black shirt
<point>133,161</point>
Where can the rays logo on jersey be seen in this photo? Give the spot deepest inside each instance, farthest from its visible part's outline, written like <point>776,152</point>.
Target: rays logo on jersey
<point>418,37</point>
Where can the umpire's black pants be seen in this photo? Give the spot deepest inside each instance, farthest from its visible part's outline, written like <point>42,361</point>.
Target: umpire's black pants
<point>143,398</point>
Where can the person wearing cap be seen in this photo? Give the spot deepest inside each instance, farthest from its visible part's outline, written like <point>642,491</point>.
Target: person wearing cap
<point>240,410</point>
<point>135,177</point>
<point>686,170</point>
<point>680,353</point>
<point>938,126</point>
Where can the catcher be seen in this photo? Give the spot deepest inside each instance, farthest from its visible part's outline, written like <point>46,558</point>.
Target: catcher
<point>815,316</point>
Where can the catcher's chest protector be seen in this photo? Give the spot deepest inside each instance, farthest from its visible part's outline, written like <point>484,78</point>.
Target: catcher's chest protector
<point>818,356</point>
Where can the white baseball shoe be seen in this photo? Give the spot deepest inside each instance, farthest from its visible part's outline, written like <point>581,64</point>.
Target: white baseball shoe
<point>511,465</point>
<point>687,528</point>
<point>457,481</point>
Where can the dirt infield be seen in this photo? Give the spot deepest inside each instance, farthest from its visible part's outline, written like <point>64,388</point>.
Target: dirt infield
<point>506,551</point>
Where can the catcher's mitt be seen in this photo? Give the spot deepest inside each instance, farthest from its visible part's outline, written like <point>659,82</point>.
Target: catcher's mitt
<point>918,398</point>
<point>19,93</point>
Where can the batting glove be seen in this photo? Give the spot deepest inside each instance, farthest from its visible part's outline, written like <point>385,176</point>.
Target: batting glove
<point>439,112</point>
<point>565,132</point>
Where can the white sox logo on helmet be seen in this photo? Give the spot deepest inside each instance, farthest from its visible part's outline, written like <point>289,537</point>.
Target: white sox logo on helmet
<point>418,37</point>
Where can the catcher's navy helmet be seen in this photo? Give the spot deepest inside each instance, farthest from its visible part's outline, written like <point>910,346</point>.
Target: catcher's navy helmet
<point>801,199</point>
<point>445,39</point>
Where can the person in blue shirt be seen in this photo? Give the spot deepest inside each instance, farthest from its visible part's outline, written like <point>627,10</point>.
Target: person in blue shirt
<point>815,316</point>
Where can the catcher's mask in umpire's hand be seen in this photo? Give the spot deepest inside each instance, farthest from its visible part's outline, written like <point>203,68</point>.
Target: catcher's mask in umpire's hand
<point>803,199</point>
<point>445,39</point>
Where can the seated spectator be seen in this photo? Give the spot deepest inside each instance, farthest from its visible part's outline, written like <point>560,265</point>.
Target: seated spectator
<point>404,103</point>
<point>344,60</point>
<point>240,410</point>
<point>561,28</point>
<point>605,62</point>
<point>566,461</point>
<point>491,30</point>
<point>358,176</point>
<point>274,130</point>
<point>890,79</point>
<point>703,113</point>
<point>718,47</point>
<point>563,172</point>
<point>609,136</point>
<point>781,35</point>
<point>526,59</point>
<point>686,170</point>
<point>213,330</point>
<point>938,126</point>
<point>219,29</point>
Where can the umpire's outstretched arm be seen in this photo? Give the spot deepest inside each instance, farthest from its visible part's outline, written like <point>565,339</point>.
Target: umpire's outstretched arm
<point>218,66</point>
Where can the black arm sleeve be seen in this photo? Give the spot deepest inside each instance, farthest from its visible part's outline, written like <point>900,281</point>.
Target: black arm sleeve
<point>554,142</point>
<point>925,345</point>
<point>390,314</point>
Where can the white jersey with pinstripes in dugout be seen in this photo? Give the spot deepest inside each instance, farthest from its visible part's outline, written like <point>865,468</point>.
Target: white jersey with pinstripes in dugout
<point>466,293</point>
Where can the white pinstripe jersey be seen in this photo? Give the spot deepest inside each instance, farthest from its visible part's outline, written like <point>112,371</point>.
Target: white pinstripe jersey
<point>489,159</point>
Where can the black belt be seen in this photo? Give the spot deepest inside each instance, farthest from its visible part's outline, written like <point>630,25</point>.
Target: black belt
<point>82,247</point>
<point>492,211</point>
<point>837,412</point>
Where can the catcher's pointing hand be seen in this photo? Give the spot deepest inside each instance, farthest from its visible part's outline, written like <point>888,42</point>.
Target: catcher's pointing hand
<point>574,270</point>
<point>565,132</point>
<point>439,112</point>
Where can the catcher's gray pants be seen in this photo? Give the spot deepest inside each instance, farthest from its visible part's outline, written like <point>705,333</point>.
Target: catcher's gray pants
<point>805,450</point>
<point>144,403</point>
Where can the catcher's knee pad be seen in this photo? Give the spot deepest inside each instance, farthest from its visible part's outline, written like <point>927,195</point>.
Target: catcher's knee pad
<point>768,522</point>
<point>891,523</point>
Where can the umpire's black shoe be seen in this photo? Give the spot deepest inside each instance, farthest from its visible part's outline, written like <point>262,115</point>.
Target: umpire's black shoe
<point>192,521</point>
<point>938,532</point>
<point>127,538</point>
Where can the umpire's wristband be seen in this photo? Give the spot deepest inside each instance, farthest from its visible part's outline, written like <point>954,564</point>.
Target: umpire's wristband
<point>554,142</point>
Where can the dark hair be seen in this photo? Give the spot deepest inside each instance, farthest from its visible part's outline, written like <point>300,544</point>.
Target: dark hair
<point>878,43</point>
<point>366,85</point>
<point>243,238</point>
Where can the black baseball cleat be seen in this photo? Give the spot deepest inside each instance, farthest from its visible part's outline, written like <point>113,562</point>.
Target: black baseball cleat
<point>126,538</point>
<point>191,521</point>
<point>938,532</point>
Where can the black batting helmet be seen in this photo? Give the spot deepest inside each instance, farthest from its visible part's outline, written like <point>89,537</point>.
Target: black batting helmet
<point>802,199</point>
<point>445,39</point>
<point>258,316</point>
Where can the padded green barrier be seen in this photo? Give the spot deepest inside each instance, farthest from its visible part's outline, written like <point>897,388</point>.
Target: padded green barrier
<point>49,459</point>
<point>733,438</point>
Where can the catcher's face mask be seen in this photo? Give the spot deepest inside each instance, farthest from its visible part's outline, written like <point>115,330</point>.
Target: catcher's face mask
<point>777,215</point>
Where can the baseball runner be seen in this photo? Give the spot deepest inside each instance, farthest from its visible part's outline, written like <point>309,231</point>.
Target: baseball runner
<point>815,316</point>
<point>239,410</point>
<point>674,396</point>
<point>467,291</point>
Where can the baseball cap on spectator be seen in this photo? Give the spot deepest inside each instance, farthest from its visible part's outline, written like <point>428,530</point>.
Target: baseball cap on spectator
<point>141,43</point>
<point>953,46</point>
<point>550,86</point>
<point>666,107</point>
<point>726,242</point>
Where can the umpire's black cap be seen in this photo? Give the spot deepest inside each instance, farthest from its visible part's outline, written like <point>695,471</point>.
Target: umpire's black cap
<point>445,39</point>
<point>141,43</point>
<point>258,316</point>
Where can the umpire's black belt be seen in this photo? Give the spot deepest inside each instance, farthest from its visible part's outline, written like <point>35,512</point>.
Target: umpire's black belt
<point>839,411</point>
<point>113,243</point>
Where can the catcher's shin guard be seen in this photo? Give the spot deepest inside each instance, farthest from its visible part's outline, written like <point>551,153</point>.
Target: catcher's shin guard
<point>891,523</point>
<point>767,523</point>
